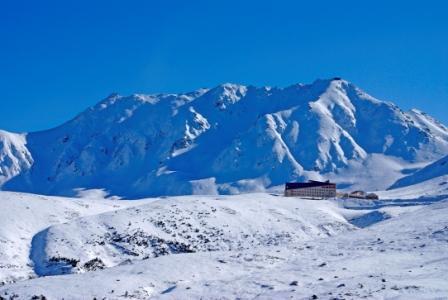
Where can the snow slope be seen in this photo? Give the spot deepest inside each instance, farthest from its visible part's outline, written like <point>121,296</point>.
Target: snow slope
<point>22,216</point>
<point>437,169</point>
<point>187,224</point>
<point>14,155</point>
<point>225,140</point>
<point>433,189</point>
<point>401,258</point>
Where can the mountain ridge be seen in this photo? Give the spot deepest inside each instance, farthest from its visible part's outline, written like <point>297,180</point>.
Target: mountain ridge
<point>434,170</point>
<point>228,139</point>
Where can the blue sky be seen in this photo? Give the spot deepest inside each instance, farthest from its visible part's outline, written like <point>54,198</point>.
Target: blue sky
<point>59,57</point>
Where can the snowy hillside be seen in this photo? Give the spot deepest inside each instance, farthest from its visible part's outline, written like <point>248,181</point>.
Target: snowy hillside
<point>50,235</point>
<point>437,169</point>
<point>225,140</point>
<point>14,155</point>
<point>401,258</point>
<point>22,216</point>
<point>431,189</point>
<point>182,225</point>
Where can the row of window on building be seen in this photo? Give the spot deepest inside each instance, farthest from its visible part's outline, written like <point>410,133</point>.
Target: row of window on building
<point>322,190</point>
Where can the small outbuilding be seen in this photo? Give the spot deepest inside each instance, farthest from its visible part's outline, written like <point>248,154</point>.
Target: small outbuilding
<point>372,196</point>
<point>358,194</point>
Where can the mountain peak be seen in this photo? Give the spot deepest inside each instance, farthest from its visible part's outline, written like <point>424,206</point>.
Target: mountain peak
<point>230,138</point>
<point>331,80</point>
<point>227,93</point>
<point>231,88</point>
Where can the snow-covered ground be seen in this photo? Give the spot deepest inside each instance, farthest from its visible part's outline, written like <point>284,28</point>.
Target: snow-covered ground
<point>231,139</point>
<point>404,257</point>
<point>44,235</point>
<point>221,247</point>
<point>434,170</point>
<point>424,193</point>
<point>183,225</point>
<point>23,216</point>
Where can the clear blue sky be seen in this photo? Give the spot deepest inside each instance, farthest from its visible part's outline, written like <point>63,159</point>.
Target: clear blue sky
<point>59,57</point>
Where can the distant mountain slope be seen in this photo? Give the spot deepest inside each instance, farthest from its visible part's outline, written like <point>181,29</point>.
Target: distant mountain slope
<point>14,155</point>
<point>228,139</point>
<point>437,169</point>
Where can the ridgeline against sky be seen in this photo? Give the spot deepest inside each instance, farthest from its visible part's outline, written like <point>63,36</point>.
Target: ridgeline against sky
<point>59,57</point>
<point>225,140</point>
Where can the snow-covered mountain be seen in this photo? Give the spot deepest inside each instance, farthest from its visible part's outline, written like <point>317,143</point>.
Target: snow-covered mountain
<point>227,139</point>
<point>434,170</point>
<point>14,155</point>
